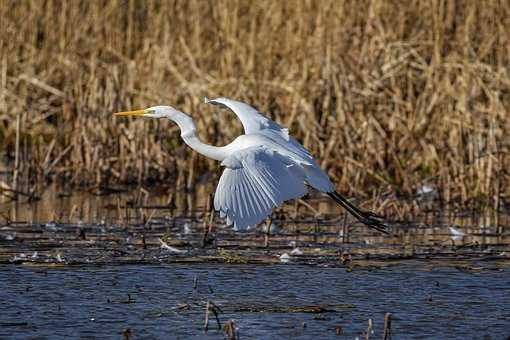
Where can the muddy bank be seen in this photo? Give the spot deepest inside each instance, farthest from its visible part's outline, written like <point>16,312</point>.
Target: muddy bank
<point>73,228</point>
<point>185,240</point>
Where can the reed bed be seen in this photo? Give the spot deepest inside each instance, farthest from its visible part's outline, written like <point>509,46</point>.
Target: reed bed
<point>388,95</point>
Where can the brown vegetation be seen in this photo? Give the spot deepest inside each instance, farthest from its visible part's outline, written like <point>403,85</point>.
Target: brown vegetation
<point>388,95</point>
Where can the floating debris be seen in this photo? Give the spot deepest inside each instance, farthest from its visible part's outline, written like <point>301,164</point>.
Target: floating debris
<point>456,234</point>
<point>9,237</point>
<point>284,258</point>
<point>296,251</point>
<point>19,257</point>
<point>184,306</point>
<point>165,246</point>
<point>129,299</point>
<point>186,229</point>
<point>345,258</point>
<point>303,309</point>
<point>52,226</point>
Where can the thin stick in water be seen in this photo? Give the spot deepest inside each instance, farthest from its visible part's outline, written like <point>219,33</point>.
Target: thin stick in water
<point>387,327</point>
<point>206,322</point>
<point>369,329</point>
<point>16,156</point>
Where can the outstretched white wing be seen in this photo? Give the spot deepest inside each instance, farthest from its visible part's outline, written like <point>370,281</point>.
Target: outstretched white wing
<point>253,121</point>
<point>256,180</point>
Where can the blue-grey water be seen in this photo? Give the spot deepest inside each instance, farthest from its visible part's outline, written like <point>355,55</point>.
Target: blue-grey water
<point>426,301</point>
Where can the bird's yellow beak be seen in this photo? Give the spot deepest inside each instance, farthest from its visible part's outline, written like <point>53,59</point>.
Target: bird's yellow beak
<point>131,113</point>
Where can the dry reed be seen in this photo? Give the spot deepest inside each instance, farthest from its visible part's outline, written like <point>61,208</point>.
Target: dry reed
<point>388,95</point>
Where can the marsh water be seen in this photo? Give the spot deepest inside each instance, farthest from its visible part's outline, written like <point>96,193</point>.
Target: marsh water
<point>427,301</point>
<point>138,265</point>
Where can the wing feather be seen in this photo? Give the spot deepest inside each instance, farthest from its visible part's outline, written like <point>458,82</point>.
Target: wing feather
<point>243,195</point>
<point>255,182</point>
<point>255,195</point>
<point>250,197</point>
<point>238,197</point>
<point>264,197</point>
<point>253,121</point>
<point>268,194</point>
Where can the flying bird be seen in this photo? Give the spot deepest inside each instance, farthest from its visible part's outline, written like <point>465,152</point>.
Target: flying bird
<point>263,168</point>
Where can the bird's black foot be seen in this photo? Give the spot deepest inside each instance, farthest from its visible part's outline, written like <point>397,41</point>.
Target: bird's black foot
<point>368,218</point>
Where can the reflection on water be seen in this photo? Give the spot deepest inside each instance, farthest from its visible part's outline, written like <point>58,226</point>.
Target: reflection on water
<point>91,302</point>
<point>56,204</point>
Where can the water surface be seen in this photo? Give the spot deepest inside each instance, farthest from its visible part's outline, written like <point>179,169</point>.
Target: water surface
<point>427,300</point>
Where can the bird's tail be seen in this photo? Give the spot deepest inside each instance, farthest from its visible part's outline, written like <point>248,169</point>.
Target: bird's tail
<point>368,218</point>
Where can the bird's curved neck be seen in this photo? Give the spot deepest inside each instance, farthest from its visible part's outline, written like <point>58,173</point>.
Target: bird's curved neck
<point>190,137</point>
<point>215,152</point>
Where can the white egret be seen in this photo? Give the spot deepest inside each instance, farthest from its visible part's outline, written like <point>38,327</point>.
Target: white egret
<point>263,168</point>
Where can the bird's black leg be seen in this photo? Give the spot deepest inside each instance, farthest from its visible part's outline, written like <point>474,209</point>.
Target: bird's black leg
<point>366,217</point>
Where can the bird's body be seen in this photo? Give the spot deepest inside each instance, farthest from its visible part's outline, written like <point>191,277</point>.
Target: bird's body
<point>294,154</point>
<point>263,168</point>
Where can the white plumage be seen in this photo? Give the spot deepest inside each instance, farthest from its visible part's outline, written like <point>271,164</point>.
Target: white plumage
<point>256,180</point>
<point>263,168</point>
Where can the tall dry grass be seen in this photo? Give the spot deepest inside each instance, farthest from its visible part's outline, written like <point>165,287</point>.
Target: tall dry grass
<point>388,95</point>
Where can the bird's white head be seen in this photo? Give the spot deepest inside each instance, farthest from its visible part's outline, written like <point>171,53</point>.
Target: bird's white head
<point>183,120</point>
<point>159,111</point>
